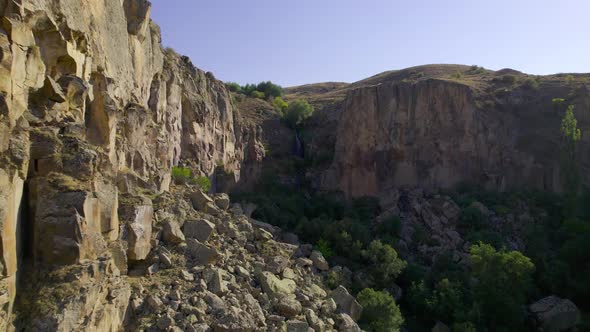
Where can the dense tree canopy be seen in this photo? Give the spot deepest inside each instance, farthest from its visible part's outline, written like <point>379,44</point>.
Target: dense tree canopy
<point>502,281</point>
<point>380,312</point>
<point>298,111</point>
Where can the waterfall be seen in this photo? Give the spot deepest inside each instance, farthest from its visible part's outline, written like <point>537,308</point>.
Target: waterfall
<point>298,149</point>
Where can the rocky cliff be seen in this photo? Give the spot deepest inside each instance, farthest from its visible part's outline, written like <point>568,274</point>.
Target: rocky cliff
<point>439,126</point>
<point>93,116</point>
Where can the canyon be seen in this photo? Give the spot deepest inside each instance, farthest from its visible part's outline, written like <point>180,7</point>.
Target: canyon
<point>95,113</point>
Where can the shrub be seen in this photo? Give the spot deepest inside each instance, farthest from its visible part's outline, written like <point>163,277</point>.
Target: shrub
<point>181,175</point>
<point>270,89</point>
<point>471,219</point>
<point>323,246</point>
<point>203,182</point>
<point>389,230</point>
<point>380,312</point>
<point>298,111</point>
<point>383,263</point>
<point>280,105</point>
<point>257,94</point>
<point>233,87</point>
<point>486,236</point>
<point>457,75</point>
<point>531,83</point>
<point>248,89</point>
<point>509,79</point>
<point>477,70</point>
<point>336,278</point>
<point>448,300</point>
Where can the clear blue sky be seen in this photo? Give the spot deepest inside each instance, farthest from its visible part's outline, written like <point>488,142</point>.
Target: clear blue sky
<point>294,42</point>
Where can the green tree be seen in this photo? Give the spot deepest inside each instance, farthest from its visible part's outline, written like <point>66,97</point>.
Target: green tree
<point>270,89</point>
<point>324,247</point>
<point>502,281</point>
<point>298,111</point>
<point>384,265</point>
<point>571,134</point>
<point>257,94</point>
<point>448,301</point>
<point>234,87</point>
<point>248,89</point>
<point>380,313</point>
<point>280,105</point>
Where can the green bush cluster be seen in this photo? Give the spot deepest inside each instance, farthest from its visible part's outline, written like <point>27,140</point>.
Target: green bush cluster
<point>488,294</point>
<point>261,90</point>
<point>296,112</point>
<point>477,70</point>
<point>183,175</point>
<point>380,312</point>
<point>531,83</point>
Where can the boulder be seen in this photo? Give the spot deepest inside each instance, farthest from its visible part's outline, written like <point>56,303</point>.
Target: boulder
<point>140,233</point>
<point>275,287</point>
<point>201,253</point>
<point>277,264</point>
<point>172,233</point>
<point>288,307</point>
<point>346,303</point>
<point>202,202</point>
<point>165,259</point>
<point>314,321</point>
<point>297,326</point>
<point>347,324</point>
<point>198,229</point>
<point>222,201</point>
<point>319,262</point>
<point>214,301</point>
<point>553,314</point>
<point>214,280</point>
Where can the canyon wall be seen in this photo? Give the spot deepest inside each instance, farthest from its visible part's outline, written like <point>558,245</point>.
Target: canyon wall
<point>437,133</point>
<point>92,113</point>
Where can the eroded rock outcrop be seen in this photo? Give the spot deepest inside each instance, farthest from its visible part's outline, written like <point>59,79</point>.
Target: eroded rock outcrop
<point>439,132</point>
<point>93,116</point>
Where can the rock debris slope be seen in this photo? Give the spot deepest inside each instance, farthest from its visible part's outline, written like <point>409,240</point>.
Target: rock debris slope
<point>93,115</point>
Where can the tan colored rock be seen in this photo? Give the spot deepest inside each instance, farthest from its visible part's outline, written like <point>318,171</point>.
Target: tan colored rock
<point>288,307</point>
<point>198,229</point>
<point>104,292</point>
<point>275,287</point>
<point>140,233</point>
<point>67,221</point>
<point>201,253</point>
<point>347,324</point>
<point>346,303</point>
<point>319,262</point>
<point>222,201</point>
<point>172,233</point>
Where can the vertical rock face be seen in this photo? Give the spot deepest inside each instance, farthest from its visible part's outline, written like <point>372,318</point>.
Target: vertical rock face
<point>92,108</point>
<point>432,134</point>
